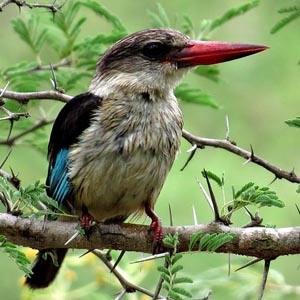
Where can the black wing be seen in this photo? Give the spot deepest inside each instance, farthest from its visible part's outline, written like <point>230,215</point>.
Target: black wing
<point>72,120</point>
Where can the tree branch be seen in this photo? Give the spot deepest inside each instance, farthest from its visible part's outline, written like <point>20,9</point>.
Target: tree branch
<point>21,3</point>
<point>26,96</point>
<point>63,63</point>
<point>265,243</point>
<point>11,140</point>
<point>200,142</point>
<point>250,156</point>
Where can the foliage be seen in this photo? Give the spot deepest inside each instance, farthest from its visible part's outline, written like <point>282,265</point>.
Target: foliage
<point>169,272</point>
<point>294,13</point>
<point>210,241</point>
<point>74,57</point>
<point>16,254</point>
<point>29,201</point>
<point>183,91</point>
<point>248,194</point>
<point>294,122</point>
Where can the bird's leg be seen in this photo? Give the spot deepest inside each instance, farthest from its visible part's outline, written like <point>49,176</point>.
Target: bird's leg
<point>156,226</point>
<point>86,221</point>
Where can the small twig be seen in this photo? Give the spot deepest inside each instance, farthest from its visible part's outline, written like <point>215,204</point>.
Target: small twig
<point>44,95</point>
<point>39,124</point>
<point>36,68</point>
<point>229,146</point>
<point>128,286</point>
<point>160,283</point>
<point>11,178</point>
<point>21,3</point>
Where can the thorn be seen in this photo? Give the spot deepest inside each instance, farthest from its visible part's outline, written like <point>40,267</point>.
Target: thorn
<point>10,128</point>
<point>4,90</point>
<point>192,150</point>
<point>15,181</point>
<point>255,220</point>
<point>118,260</point>
<point>297,209</point>
<point>250,263</point>
<point>85,253</point>
<point>227,128</point>
<point>275,178</point>
<point>205,195</point>
<point>264,278</point>
<point>6,158</point>
<point>72,237</point>
<point>252,153</point>
<point>155,256</point>
<point>170,215</point>
<point>292,173</point>
<point>213,199</point>
<point>195,216</point>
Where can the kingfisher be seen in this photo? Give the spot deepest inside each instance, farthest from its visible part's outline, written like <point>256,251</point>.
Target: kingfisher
<point>111,148</point>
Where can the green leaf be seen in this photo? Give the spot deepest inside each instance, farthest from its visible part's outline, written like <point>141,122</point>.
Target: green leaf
<point>163,269</point>
<point>100,10</point>
<point>285,21</point>
<point>179,280</point>
<point>258,196</point>
<point>174,296</point>
<point>176,269</point>
<point>210,72</point>
<point>246,187</point>
<point>165,277</point>
<point>194,95</point>
<point>294,122</point>
<point>176,258</point>
<point>182,291</point>
<point>232,13</point>
<point>17,255</point>
<point>219,240</point>
<point>195,238</point>
<point>214,177</point>
<point>213,241</point>
<point>159,19</point>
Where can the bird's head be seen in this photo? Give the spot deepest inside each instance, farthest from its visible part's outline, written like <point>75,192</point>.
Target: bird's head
<point>154,60</point>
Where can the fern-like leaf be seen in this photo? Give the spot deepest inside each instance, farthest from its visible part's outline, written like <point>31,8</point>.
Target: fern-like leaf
<point>232,13</point>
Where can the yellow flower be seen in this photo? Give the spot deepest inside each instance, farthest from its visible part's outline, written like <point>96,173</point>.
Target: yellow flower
<point>30,253</point>
<point>70,275</point>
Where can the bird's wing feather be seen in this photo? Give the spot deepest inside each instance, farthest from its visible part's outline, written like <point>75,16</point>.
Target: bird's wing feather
<point>72,120</point>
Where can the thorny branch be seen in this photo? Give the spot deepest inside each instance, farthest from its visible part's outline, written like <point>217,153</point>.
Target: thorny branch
<point>196,141</point>
<point>54,67</point>
<point>24,97</point>
<point>21,3</point>
<point>260,242</point>
<point>201,142</point>
<point>12,140</point>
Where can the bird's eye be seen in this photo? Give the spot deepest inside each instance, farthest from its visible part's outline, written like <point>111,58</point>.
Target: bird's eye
<point>156,51</point>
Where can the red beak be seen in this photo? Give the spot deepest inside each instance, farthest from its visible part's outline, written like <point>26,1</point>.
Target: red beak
<point>209,52</point>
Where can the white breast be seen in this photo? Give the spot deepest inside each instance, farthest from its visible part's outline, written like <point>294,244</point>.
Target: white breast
<point>123,158</point>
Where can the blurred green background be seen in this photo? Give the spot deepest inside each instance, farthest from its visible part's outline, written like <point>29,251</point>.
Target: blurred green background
<point>258,93</point>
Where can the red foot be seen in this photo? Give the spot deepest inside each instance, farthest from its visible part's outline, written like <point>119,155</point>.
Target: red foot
<point>156,227</point>
<point>86,222</point>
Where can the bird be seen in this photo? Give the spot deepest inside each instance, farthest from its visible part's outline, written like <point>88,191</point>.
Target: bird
<point>112,147</point>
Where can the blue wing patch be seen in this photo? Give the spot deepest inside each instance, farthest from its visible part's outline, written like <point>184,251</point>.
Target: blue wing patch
<point>59,185</point>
